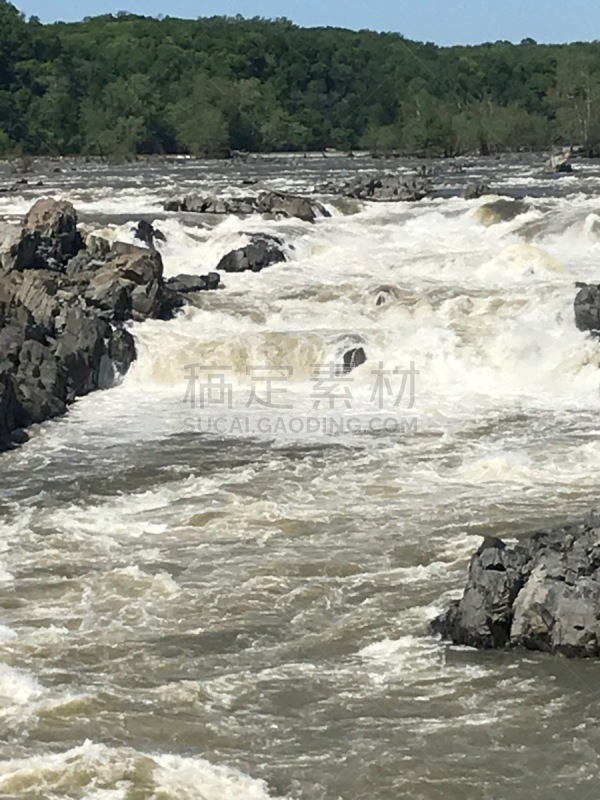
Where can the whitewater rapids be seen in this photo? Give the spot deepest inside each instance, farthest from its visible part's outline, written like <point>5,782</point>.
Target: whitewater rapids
<point>238,610</point>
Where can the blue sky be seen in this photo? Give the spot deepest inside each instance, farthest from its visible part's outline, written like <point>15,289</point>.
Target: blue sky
<point>441,21</point>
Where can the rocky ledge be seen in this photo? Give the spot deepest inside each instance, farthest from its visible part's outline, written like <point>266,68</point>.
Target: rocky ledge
<point>542,593</point>
<point>63,310</point>
<point>274,204</point>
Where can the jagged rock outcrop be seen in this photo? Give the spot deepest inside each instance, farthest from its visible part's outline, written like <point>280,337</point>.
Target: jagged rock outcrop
<point>542,593</point>
<point>263,251</point>
<point>198,204</point>
<point>62,314</point>
<point>291,206</point>
<point>279,204</point>
<point>384,187</point>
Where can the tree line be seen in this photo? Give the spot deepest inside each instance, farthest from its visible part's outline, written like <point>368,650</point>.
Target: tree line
<point>125,85</point>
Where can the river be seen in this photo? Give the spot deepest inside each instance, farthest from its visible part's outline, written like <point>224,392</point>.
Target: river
<point>216,577</point>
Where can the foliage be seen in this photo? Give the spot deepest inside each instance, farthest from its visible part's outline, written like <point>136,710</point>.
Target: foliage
<point>125,85</point>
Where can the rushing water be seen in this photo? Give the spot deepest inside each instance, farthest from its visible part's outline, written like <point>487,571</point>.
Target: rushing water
<point>241,613</point>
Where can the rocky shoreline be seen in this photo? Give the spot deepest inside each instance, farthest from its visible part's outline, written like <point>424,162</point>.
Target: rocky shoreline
<point>64,309</point>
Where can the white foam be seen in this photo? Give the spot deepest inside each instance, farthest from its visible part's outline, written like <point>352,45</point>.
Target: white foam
<point>123,771</point>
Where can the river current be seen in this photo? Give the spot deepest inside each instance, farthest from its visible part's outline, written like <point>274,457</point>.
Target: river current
<point>216,578</point>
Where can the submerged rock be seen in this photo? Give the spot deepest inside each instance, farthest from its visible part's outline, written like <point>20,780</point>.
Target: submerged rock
<point>501,211</point>
<point>542,593</point>
<point>263,251</point>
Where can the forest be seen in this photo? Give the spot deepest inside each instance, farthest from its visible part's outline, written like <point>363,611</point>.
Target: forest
<point>126,85</point>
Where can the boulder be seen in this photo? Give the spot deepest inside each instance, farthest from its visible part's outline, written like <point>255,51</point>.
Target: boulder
<point>542,593</point>
<point>51,228</point>
<point>262,251</point>
<point>185,284</point>
<point>289,205</point>
<point>587,307</point>
<point>352,359</point>
<point>501,211</point>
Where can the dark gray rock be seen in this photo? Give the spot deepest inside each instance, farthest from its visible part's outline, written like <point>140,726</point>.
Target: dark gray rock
<point>263,251</point>
<point>148,234</point>
<point>185,284</point>
<point>587,307</point>
<point>50,228</point>
<point>278,204</point>
<point>385,187</point>
<point>483,616</point>
<point>198,204</point>
<point>353,358</point>
<point>542,594</point>
<point>129,286</point>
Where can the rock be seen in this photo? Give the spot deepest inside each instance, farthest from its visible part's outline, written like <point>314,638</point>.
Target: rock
<point>8,410</point>
<point>148,234</point>
<point>40,384</point>
<point>500,211</point>
<point>483,617</point>
<point>384,295</point>
<point>587,307</point>
<point>61,314</point>
<point>353,358</point>
<point>276,203</point>
<point>289,205</point>
<point>194,283</point>
<point>542,593</point>
<point>19,436</point>
<point>197,204</point>
<point>52,226</point>
<point>129,286</point>
<point>263,251</point>
<point>10,238</point>
<point>385,187</point>
<point>474,191</point>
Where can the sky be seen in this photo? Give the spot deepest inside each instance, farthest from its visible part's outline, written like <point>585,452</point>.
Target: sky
<point>442,21</point>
